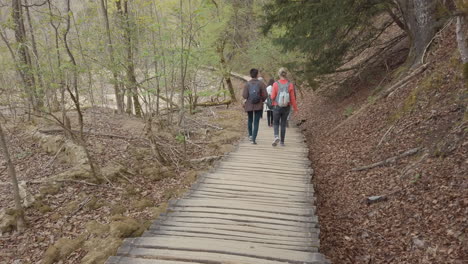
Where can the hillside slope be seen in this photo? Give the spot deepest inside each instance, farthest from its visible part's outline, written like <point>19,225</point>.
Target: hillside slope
<point>422,217</point>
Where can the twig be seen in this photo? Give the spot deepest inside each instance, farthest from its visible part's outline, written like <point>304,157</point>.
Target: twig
<point>435,37</point>
<point>386,133</point>
<point>205,124</point>
<point>82,204</point>
<point>414,164</point>
<point>389,160</point>
<point>64,180</point>
<point>55,156</point>
<point>191,142</point>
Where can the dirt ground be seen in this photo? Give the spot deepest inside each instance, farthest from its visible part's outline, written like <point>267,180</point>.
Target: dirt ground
<point>422,216</point>
<point>78,221</point>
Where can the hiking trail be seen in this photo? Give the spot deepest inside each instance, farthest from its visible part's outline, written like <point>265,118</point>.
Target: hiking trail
<point>255,207</point>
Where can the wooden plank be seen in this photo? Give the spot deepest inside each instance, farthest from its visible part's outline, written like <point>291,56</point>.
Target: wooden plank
<point>230,223</point>
<point>308,247</point>
<point>258,200</point>
<point>245,193</point>
<point>203,257</point>
<point>253,250</point>
<point>241,212</point>
<point>253,190</point>
<point>226,234</point>
<point>264,180</point>
<point>255,186</point>
<point>243,218</point>
<point>285,169</point>
<point>129,260</point>
<point>263,175</point>
<point>261,197</point>
<point>263,230</point>
<point>210,203</point>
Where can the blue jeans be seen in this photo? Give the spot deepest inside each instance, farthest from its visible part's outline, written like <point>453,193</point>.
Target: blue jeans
<point>252,123</point>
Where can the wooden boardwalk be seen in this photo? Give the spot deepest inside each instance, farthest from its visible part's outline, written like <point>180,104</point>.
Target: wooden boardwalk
<point>256,207</point>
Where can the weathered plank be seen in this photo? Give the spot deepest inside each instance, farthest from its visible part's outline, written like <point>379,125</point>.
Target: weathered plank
<point>132,247</point>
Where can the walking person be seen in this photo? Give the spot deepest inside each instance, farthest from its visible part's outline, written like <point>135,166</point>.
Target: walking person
<point>283,97</point>
<point>268,108</point>
<point>255,94</point>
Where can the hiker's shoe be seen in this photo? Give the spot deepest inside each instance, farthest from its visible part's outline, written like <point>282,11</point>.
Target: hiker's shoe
<point>282,144</point>
<point>275,142</point>
<point>254,143</point>
<point>250,138</point>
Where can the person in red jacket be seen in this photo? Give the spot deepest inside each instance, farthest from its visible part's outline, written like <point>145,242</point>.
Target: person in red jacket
<point>281,112</point>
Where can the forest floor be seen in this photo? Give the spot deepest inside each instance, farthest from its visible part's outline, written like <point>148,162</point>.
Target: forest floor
<point>74,220</point>
<point>422,214</point>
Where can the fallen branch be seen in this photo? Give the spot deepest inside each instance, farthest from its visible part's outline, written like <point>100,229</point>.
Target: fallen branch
<point>205,124</point>
<point>386,133</point>
<point>434,38</point>
<point>389,91</point>
<point>64,180</point>
<point>82,204</point>
<point>53,131</point>
<point>389,160</point>
<point>208,104</point>
<point>55,156</point>
<point>206,159</point>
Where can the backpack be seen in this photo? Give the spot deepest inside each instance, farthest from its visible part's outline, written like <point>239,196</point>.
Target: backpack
<point>254,93</point>
<point>269,103</point>
<point>283,94</point>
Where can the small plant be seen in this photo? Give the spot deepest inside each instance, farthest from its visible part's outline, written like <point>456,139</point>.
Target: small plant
<point>416,178</point>
<point>349,111</point>
<point>180,138</point>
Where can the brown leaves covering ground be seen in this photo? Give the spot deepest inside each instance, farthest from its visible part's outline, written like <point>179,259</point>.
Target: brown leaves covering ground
<point>424,219</point>
<point>61,217</point>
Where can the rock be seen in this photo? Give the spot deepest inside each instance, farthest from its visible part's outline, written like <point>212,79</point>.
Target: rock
<point>419,243</point>
<point>27,197</point>
<point>376,199</point>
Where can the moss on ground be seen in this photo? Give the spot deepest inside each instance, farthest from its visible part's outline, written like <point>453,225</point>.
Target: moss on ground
<point>62,249</point>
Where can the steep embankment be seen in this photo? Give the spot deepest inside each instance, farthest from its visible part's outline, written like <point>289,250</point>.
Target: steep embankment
<point>422,217</point>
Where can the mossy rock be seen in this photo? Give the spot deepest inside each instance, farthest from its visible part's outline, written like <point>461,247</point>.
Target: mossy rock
<point>94,227</point>
<point>94,204</point>
<point>113,171</point>
<point>117,209</point>
<point>7,221</point>
<point>62,249</point>
<point>41,206</point>
<point>142,204</point>
<point>50,189</point>
<point>71,207</point>
<point>100,249</point>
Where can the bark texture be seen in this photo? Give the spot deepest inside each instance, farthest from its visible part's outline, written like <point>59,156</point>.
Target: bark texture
<point>421,25</point>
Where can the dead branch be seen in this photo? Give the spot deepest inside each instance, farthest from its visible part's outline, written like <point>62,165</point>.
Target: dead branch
<point>53,131</point>
<point>414,164</point>
<point>55,156</point>
<point>386,133</point>
<point>389,91</point>
<point>439,34</point>
<point>82,204</point>
<point>206,159</point>
<point>208,104</point>
<point>389,160</point>
<point>205,124</point>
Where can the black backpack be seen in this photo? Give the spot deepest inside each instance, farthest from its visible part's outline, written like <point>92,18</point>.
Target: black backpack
<point>254,92</point>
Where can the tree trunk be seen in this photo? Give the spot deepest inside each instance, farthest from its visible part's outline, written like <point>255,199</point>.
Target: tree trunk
<point>462,40</point>
<point>110,51</point>
<point>132,86</point>
<point>20,222</point>
<point>224,68</point>
<point>421,26</point>
<point>24,62</point>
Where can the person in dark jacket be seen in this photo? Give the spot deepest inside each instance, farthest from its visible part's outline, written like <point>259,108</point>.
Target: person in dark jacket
<point>255,94</point>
